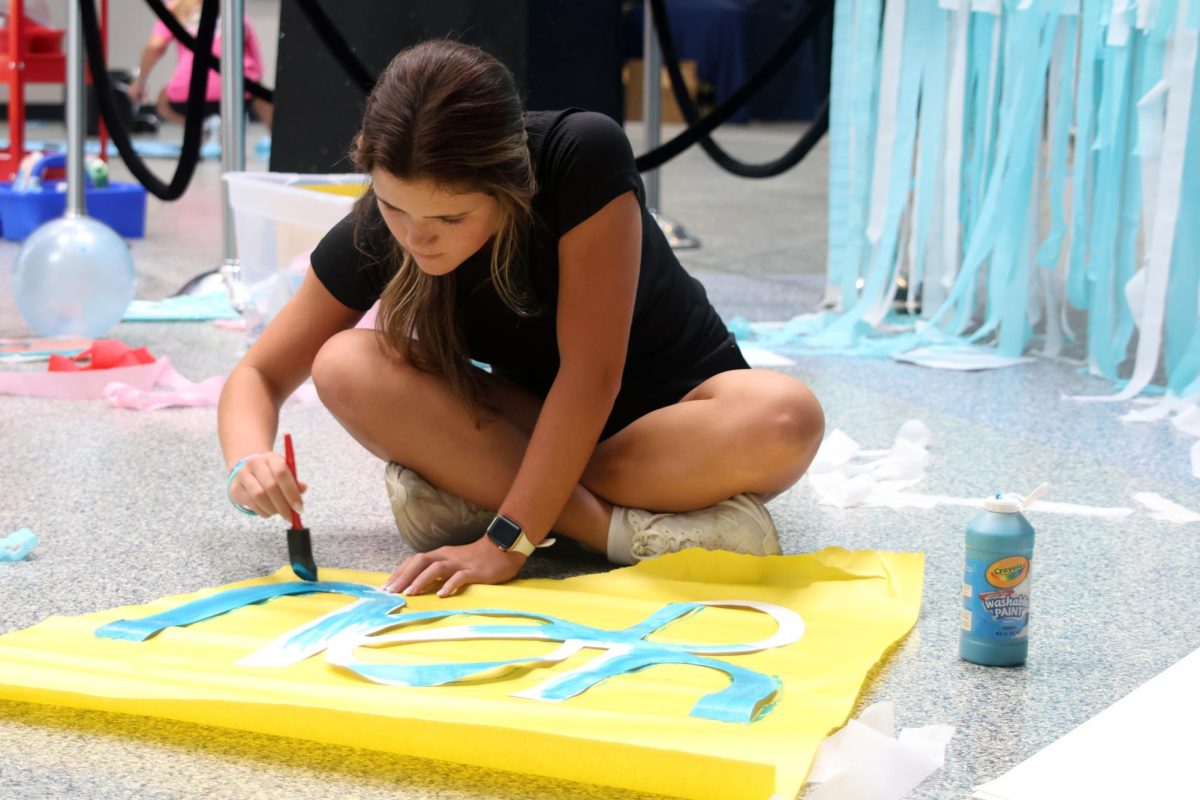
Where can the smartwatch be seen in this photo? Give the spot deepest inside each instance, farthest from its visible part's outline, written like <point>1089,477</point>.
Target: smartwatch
<point>508,536</point>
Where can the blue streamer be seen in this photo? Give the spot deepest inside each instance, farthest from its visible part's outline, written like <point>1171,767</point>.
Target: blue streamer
<point>864,58</point>
<point>1060,132</point>
<point>841,84</point>
<point>1103,67</point>
<point>932,128</point>
<point>138,630</point>
<point>846,330</point>
<point>1182,339</point>
<point>1110,176</point>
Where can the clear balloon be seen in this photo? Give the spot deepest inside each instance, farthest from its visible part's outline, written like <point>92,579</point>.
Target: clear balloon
<point>73,277</point>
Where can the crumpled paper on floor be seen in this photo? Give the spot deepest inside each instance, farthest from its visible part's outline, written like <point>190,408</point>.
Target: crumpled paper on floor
<point>846,475</point>
<point>866,760</point>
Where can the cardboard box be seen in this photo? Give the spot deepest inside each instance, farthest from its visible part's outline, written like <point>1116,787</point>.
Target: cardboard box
<point>632,76</point>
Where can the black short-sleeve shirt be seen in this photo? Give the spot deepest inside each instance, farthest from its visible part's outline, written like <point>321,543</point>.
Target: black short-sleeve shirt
<point>582,161</point>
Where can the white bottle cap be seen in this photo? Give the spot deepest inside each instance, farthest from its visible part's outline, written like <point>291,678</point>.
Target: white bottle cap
<point>1003,504</point>
<point>1013,503</point>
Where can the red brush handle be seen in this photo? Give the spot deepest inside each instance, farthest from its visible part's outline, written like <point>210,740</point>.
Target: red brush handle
<point>290,455</point>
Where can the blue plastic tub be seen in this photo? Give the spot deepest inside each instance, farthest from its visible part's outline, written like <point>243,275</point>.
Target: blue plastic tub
<point>121,206</point>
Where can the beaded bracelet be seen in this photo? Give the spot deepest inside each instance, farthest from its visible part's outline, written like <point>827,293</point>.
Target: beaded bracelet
<point>229,485</point>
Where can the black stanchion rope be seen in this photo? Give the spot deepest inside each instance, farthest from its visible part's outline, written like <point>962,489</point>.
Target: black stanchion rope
<point>194,115</point>
<point>187,40</point>
<point>793,156</point>
<point>336,44</point>
<point>699,128</point>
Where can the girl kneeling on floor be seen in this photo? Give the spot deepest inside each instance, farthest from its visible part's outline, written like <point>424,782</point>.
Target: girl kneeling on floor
<point>521,241</point>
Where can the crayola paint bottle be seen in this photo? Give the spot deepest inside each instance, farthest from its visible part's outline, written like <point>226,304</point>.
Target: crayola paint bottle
<point>997,582</point>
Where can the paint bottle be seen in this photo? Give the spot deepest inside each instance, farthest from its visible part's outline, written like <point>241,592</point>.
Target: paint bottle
<point>997,582</point>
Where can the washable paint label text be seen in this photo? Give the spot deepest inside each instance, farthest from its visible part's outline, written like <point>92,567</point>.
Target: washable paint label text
<point>996,596</point>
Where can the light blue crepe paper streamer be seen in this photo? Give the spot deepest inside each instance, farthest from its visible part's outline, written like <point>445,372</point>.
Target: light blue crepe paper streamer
<point>138,630</point>
<point>1060,134</point>
<point>1097,94</point>
<point>1005,176</point>
<point>741,701</point>
<point>1009,267</point>
<point>854,90</point>
<point>880,281</point>
<point>1182,340</point>
<point>1109,144</point>
<point>1081,172</point>
<point>182,308</point>
<point>17,545</point>
<point>932,125</point>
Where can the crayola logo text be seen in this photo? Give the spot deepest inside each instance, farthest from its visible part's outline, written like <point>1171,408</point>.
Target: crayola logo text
<point>1007,572</point>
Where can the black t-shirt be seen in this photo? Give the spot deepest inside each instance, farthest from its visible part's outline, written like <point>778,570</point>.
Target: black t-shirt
<point>582,160</point>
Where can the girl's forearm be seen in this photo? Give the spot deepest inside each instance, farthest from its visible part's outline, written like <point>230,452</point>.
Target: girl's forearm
<point>562,443</point>
<point>247,415</point>
<point>150,57</point>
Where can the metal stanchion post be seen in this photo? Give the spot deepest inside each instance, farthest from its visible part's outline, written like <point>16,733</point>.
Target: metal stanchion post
<point>677,236</point>
<point>233,141</point>
<point>76,134</point>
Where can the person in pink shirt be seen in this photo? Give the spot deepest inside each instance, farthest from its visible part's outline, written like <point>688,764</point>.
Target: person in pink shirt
<point>172,100</point>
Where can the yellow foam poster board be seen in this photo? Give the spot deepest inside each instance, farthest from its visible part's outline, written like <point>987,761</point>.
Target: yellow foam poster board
<point>634,730</point>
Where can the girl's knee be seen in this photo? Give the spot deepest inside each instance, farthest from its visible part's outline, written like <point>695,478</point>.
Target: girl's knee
<point>795,422</point>
<point>346,367</point>
<point>805,420</point>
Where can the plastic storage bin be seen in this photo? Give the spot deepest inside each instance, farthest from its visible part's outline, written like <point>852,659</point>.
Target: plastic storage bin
<point>278,219</point>
<point>121,206</point>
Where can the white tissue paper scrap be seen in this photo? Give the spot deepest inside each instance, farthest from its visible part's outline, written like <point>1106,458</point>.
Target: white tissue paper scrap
<point>1144,745</point>
<point>845,475</point>
<point>866,760</point>
<point>1163,509</point>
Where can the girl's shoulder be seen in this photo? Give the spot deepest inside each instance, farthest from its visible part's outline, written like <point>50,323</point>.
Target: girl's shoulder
<point>555,134</point>
<point>354,260</point>
<point>582,160</point>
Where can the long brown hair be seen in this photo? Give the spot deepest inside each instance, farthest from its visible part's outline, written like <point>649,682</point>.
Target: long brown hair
<point>446,113</point>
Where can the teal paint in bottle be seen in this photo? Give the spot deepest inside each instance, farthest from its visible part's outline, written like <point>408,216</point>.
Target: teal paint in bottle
<point>997,582</point>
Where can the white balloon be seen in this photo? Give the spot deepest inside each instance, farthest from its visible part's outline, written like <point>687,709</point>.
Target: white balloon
<point>74,277</point>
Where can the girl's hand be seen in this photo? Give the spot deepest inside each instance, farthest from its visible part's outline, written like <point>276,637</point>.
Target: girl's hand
<point>265,486</point>
<point>137,91</point>
<point>459,566</point>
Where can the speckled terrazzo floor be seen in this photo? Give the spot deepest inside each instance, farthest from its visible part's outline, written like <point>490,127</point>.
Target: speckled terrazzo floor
<point>130,507</point>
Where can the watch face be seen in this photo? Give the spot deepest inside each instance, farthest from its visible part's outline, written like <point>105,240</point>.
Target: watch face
<point>504,532</point>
